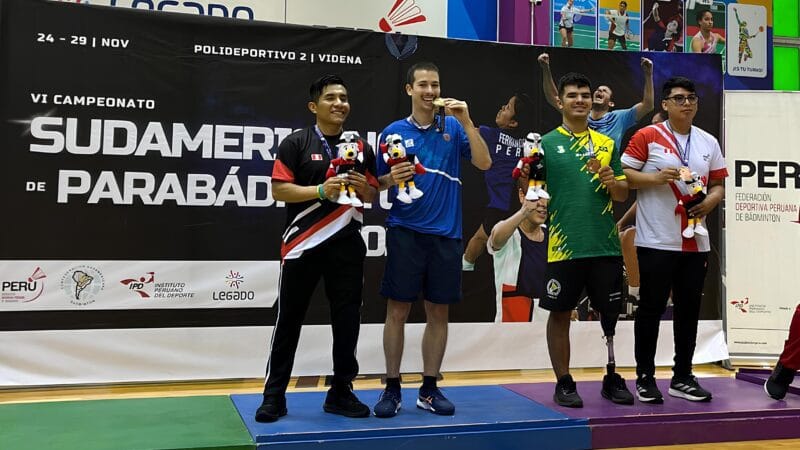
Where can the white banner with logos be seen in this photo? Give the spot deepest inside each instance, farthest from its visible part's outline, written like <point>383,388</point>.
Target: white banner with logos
<point>269,10</point>
<point>34,358</point>
<point>762,217</point>
<point>419,17</point>
<point>104,285</point>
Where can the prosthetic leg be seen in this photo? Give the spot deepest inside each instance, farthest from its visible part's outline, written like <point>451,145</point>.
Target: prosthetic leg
<point>614,387</point>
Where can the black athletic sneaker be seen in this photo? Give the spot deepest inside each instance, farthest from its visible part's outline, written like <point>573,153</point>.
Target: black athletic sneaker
<point>614,389</point>
<point>432,399</point>
<point>567,393</point>
<point>647,390</point>
<point>688,388</point>
<point>778,383</point>
<point>344,402</point>
<point>388,404</point>
<point>271,410</point>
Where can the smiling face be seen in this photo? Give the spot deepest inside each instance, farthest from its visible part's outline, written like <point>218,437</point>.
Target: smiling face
<point>576,101</point>
<point>333,106</point>
<point>539,215</point>
<point>424,90</point>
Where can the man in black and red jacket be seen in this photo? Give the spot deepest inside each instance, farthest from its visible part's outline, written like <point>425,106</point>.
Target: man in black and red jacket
<point>322,239</point>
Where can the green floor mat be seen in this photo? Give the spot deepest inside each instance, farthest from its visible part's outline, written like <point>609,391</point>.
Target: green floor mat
<point>209,422</point>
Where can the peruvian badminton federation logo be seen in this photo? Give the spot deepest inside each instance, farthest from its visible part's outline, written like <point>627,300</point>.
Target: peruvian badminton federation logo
<point>82,284</point>
<point>741,305</point>
<point>25,290</point>
<point>403,12</point>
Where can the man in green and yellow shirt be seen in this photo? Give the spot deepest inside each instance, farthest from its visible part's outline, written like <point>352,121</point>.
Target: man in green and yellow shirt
<point>584,175</point>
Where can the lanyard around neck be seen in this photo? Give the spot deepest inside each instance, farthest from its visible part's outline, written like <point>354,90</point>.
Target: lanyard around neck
<point>588,135</point>
<point>325,143</point>
<point>683,153</point>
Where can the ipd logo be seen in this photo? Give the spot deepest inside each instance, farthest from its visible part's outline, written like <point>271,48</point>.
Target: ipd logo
<point>142,285</point>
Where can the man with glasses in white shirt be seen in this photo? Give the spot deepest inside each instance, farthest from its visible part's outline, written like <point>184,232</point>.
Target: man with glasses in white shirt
<point>664,162</point>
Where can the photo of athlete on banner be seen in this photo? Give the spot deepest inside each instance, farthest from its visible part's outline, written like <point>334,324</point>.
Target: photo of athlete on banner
<point>575,23</point>
<point>619,26</point>
<point>518,245</point>
<point>705,27</point>
<point>662,27</point>
<point>505,142</point>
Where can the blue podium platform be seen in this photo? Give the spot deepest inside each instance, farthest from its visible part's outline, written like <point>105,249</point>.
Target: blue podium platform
<point>487,417</point>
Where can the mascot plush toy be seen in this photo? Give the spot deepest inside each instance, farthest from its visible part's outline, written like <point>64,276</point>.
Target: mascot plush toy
<point>394,152</point>
<point>349,156</point>
<point>694,185</point>
<point>534,157</point>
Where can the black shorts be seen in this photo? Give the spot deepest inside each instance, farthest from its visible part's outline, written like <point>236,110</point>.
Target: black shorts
<point>419,263</point>
<point>493,215</point>
<point>601,276</point>
<point>620,39</point>
<point>562,27</point>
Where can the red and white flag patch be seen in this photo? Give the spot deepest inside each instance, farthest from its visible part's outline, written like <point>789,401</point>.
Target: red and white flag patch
<point>316,157</point>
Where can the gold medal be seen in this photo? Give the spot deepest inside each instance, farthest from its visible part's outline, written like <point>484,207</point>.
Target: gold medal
<point>593,165</point>
<point>439,104</point>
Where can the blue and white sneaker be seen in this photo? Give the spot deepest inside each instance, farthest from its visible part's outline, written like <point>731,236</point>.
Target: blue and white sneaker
<point>434,401</point>
<point>388,404</point>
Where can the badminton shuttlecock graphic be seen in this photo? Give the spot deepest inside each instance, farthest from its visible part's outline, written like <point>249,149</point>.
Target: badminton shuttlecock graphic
<point>82,281</point>
<point>403,12</point>
<point>37,274</point>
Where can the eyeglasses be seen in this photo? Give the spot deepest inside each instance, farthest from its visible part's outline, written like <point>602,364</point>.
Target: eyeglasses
<point>681,99</point>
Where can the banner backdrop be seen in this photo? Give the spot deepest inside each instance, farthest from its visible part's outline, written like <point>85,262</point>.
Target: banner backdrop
<point>135,171</point>
<point>762,217</point>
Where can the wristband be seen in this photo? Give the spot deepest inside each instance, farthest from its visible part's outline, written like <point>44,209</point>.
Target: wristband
<point>321,192</point>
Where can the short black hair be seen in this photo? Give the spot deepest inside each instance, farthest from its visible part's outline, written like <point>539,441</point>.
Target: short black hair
<point>573,79</point>
<point>698,16</point>
<point>315,91</point>
<point>623,2</point>
<point>523,114</point>
<point>429,66</point>
<point>677,82</point>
